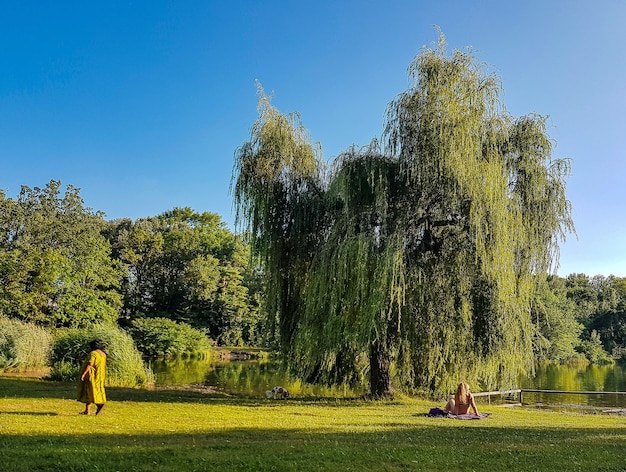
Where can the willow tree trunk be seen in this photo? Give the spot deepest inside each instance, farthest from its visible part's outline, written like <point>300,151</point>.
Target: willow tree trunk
<point>380,378</point>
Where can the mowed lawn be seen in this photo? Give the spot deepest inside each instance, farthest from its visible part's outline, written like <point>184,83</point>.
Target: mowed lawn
<point>188,430</point>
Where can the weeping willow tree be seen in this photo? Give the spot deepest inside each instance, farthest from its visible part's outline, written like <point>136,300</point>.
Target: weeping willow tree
<point>277,188</point>
<point>482,215</point>
<point>417,259</point>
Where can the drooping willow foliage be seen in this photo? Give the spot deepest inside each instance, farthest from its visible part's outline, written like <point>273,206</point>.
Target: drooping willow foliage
<point>419,257</point>
<point>277,188</point>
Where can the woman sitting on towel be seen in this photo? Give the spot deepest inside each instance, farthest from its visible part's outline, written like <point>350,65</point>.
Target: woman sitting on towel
<point>462,401</point>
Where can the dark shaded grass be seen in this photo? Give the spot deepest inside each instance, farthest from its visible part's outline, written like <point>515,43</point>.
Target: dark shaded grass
<point>28,387</point>
<point>428,448</point>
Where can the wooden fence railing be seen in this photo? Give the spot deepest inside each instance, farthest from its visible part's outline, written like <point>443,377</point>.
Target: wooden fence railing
<point>502,393</point>
<point>511,393</point>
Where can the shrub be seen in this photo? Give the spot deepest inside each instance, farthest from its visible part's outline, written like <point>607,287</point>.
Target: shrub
<point>164,337</point>
<point>125,367</point>
<point>23,346</point>
<point>594,351</point>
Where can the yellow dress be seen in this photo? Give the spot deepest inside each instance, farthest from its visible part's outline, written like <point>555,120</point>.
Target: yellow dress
<point>91,390</point>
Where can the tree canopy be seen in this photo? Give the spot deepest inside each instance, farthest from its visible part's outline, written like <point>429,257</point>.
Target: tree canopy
<point>186,266</point>
<point>55,265</point>
<point>420,255</point>
<point>63,265</point>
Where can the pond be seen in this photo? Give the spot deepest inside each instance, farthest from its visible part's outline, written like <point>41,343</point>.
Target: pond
<point>255,377</point>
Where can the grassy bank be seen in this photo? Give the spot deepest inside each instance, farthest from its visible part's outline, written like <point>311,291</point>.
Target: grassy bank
<point>186,430</point>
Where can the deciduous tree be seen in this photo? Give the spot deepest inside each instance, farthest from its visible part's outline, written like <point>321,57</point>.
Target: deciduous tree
<point>186,266</point>
<point>55,265</point>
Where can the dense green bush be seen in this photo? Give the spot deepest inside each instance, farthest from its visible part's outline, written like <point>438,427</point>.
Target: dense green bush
<point>125,367</point>
<point>164,337</point>
<point>23,346</point>
<point>594,351</point>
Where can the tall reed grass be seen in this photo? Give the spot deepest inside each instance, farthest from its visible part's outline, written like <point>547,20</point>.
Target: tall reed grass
<point>23,346</point>
<point>125,366</point>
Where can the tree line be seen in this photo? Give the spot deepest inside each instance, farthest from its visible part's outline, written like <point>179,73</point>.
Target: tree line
<point>62,265</point>
<point>580,317</point>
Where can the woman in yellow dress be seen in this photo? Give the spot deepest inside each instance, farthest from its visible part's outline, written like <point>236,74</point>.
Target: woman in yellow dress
<point>91,387</point>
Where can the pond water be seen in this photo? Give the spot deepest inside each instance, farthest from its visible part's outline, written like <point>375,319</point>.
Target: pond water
<point>578,378</point>
<point>255,377</point>
<point>239,377</point>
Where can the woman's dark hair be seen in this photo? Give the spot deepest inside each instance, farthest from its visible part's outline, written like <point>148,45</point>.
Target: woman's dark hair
<point>96,344</point>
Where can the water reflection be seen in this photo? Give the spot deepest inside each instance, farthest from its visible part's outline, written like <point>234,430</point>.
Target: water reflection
<point>578,377</point>
<point>181,371</point>
<point>239,377</point>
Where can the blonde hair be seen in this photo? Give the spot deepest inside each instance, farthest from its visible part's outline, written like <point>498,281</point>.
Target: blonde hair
<point>462,395</point>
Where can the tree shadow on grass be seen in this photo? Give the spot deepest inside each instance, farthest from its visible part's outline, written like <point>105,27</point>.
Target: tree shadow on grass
<point>28,387</point>
<point>416,447</point>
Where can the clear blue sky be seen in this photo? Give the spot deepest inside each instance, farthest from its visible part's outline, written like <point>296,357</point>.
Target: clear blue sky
<point>141,104</point>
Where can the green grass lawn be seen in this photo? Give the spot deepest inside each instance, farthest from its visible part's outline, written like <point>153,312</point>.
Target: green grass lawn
<point>185,430</point>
